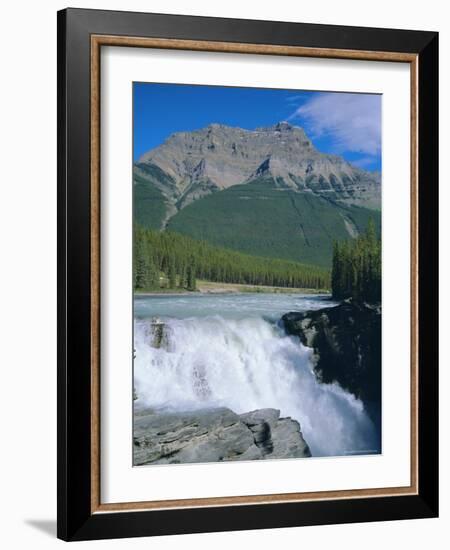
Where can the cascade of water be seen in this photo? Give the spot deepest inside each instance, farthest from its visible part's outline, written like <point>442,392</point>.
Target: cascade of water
<point>247,364</point>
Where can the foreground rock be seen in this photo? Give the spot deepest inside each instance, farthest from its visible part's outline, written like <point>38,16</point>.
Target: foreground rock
<point>347,346</point>
<point>214,435</point>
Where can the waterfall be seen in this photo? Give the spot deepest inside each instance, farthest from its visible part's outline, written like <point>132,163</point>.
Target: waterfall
<point>247,364</point>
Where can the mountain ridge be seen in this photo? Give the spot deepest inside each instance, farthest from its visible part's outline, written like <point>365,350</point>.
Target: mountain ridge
<point>191,165</point>
<point>264,192</point>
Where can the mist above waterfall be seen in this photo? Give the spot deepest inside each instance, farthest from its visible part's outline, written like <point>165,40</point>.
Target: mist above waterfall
<point>246,363</point>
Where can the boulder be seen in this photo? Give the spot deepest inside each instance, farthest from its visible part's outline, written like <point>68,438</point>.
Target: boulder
<point>276,437</point>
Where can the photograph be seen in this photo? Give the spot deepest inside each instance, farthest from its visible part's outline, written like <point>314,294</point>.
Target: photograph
<point>223,283</point>
<point>247,258</point>
<point>257,274</point>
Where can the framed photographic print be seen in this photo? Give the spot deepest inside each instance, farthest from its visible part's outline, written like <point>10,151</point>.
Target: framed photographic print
<point>247,274</point>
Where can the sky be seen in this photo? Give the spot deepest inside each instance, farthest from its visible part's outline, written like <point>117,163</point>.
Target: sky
<point>345,124</point>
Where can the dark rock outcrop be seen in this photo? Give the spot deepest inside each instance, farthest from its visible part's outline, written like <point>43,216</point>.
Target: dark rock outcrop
<point>214,435</point>
<point>346,340</point>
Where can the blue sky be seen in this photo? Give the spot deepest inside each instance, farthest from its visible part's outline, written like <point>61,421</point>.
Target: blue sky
<point>341,123</point>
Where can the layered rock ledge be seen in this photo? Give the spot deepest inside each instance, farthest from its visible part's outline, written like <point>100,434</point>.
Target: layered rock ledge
<point>215,435</point>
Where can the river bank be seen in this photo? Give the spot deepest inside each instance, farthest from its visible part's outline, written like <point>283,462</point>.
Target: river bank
<point>210,287</point>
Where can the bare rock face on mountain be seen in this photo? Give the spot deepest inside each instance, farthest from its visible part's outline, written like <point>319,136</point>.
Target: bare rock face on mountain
<point>190,165</point>
<point>215,435</point>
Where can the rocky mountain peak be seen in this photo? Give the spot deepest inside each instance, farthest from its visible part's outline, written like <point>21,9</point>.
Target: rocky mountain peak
<point>218,156</point>
<point>281,126</point>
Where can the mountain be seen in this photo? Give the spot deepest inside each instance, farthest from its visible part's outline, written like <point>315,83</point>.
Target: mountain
<point>267,191</point>
<point>261,219</point>
<point>189,165</point>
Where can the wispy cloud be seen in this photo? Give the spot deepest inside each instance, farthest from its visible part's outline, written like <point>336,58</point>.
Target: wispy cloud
<point>351,121</point>
<point>297,97</point>
<point>363,162</point>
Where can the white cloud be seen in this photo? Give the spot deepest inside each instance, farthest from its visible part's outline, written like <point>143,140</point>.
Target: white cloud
<point>351,121</point>
<point>295,98</point>
<point>363,162</point>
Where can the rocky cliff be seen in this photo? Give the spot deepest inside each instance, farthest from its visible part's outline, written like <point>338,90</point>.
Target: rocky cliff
<point>346,340</point>
<point>214,435</point>
<point>190,165</point>
<point>347,346</point>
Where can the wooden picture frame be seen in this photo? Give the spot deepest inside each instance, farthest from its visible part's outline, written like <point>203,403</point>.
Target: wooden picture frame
<point>81,35</point>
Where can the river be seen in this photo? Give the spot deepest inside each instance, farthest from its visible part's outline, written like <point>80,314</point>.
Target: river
<point>231,350</point>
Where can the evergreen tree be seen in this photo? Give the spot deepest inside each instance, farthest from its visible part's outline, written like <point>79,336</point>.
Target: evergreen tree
<point>356,269</point>
<point>152,275</point>
<point>171,273</point>
<point>140,262</point>
<point>191,279</point>
<point>336,283</point>
<point>182,283</point>
<point>140,277</point>
<point>183,258</point>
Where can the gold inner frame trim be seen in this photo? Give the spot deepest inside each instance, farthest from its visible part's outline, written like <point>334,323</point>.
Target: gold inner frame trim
<point>97,41</point>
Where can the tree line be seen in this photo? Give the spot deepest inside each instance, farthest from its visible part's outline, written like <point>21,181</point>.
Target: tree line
<point>171,260</point>
<point>356,267</point>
